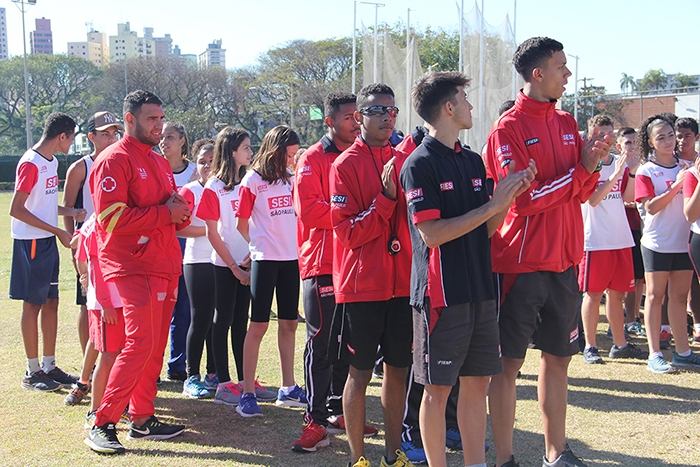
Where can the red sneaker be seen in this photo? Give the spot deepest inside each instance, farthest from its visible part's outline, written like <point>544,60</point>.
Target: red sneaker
<point>313,437</point>
<point>336,425</point>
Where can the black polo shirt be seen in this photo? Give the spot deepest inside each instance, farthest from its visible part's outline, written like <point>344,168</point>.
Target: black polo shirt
<point>441,183</point>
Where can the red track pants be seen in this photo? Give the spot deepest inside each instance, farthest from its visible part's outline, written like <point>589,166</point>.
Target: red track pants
<point>148,308</point>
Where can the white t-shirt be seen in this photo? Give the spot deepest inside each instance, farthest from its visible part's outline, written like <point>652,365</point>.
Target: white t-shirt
<point>197,249</point>
<point>184,177</point>
<point>605,226</point>
<point>666,231</point>
<point>37,176</point>
<point>220,204</point>
<point>273,230</point>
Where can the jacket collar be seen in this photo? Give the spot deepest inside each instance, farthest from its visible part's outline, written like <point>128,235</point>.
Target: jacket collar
<point>141,148</point>
<point>384,152</point>
<point>329,146</point>
<point>532,107</point>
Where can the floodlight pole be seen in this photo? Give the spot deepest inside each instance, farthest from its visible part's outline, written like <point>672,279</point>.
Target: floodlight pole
<point>27,105</point>
<point>575,87</point>
<point>409,67</point>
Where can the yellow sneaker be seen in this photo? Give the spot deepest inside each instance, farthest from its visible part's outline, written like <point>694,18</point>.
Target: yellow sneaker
<point>361,462</point>
<point>401,460</point>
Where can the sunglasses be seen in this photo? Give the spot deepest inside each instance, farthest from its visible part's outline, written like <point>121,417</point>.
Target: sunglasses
<point>380,110</point>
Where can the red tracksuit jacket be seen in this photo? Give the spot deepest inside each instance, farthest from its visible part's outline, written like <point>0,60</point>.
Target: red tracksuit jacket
<point>363,219</point>
<point>130,184</point>
<point>312,203</point>
<point>543,229</point>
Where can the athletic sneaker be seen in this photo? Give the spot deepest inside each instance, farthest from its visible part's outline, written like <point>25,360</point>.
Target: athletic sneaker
<point>511,463</point>
<point>194,388</point>
<point>414,453</point>
<point>453,440</point>
<point>566,459</point>
<point>336,426</point>
<point>228,393</point>
<point>62,378</point>
<point>39,382</point>
<point>628,351</point>
<point>76,394</point>
<point>313,437</point>
<point>90,419</point>
<point>591,355</point>
<point>692,360</point>
<point>696,338</point>
<point>125,417</point>
<point>665,340</point>
<point>104,439</point>
<point>248,406</point>
<point>153,429</point>
<point>361,462</point>
<point>262,394</point>
<point>211,382</point>
<point>659,365</point>
<point>295,398</point>
<point>178,376</point>
<point>636,328</point>
<point>401,460</point>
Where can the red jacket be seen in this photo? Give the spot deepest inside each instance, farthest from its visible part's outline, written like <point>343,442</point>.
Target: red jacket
<point>543,229</point>
<point>363,219</point>
<point>130,184</point>
<point>312,204</point>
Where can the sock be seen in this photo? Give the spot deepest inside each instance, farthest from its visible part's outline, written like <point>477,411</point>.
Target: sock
<point>655,354</point>
<point>588,347</point>
<point>287,389</point>
<point>685,354</point>
<point>483,464</point>
<point>666,327</point>
<point>696,327</point>
<point>48,363</point>
<point>620,347</point>
<point>33,365</point>
<point>83,381</point>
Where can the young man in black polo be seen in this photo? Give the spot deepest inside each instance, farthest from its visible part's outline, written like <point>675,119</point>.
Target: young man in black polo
<point>455,328</point>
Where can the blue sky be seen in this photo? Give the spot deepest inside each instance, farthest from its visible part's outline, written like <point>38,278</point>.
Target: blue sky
<point>609,37</point>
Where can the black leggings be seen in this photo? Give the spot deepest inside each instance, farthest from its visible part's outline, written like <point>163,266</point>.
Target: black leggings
<point>199,280</point>
<point>232,302</point>
<point>281,277</point>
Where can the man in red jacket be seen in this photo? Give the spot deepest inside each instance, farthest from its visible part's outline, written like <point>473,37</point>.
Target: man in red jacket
<point>371,270</point>
<point>324,377</point>
<point>540,241</point>
<point>137,211</point>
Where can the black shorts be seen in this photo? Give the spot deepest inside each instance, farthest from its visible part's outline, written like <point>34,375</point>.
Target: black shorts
<point>34,276</point>
<point>80,293</point>
<point>463,342</point>
<point>280,278</point>
<point>665,262</point>
<point>541,305</point>
<point>366,325</point>
<point>637,255</point>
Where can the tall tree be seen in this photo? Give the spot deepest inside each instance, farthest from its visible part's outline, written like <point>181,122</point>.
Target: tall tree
<point>685,82</point>
<point>654,80</point>
<point>628,83</point>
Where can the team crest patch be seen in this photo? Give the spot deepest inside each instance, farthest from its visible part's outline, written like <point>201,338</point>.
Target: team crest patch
<point>108,184</point>
<point>446,186</point>
<point>262,188</point>
<point>532,141</point>
<point>144,175</point>
<point>414,193</point>
<point>477,183</point>
<point>573,336</point>
<point>326,290</point>
<point>340,200</point>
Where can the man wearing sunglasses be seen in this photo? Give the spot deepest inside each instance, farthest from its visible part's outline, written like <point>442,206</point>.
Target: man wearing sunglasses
<point>371,271</point>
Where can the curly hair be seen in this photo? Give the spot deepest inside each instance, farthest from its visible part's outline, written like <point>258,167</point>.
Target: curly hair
<point>644,133</point>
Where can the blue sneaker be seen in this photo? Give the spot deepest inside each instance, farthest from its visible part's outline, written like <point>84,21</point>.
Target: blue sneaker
<point>194,388</point>
<point>692,360</point>
<point>211,383</point>
<point>295,398</point>
<point>413,452</point>
<point>453,440</point>
<point>659,365</point>
<point>248,406</point>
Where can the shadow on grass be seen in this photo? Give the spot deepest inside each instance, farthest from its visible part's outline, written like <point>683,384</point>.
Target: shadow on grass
<point>668,398</point>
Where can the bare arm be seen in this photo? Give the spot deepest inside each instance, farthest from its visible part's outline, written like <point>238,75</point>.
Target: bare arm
<point>605,187</point>
<point>75,177</point>
<point>192,231</point>
<point>19,211</point>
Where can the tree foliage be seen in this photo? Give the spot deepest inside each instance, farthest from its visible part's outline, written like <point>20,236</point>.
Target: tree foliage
<point>592,101</point>
<point>654,80</point>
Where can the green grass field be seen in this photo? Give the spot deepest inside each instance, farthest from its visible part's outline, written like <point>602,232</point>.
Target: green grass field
<point>619,413</point>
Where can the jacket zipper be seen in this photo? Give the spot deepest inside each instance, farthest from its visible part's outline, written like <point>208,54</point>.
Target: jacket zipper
<point>359,265</point>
